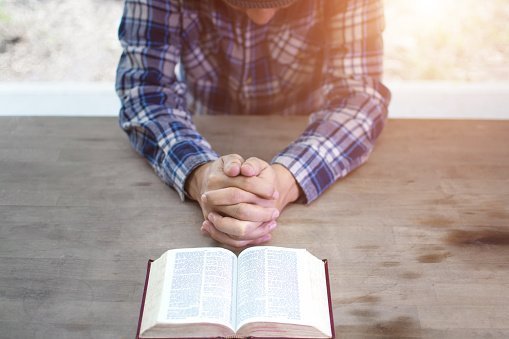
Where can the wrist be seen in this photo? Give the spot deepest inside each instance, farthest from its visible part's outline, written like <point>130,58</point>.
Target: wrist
<point>289,190</point>
<point>193,186</point>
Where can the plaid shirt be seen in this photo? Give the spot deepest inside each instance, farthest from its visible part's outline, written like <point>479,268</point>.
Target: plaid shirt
<point>321,58</point>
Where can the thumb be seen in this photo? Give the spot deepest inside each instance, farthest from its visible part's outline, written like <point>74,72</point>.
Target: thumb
<point>253,167</point>
<point>232,164</point>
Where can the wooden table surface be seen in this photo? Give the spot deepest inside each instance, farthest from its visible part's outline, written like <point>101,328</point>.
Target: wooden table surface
<point>417,239</point>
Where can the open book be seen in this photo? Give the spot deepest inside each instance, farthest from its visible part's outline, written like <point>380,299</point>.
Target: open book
<point>209,292</point>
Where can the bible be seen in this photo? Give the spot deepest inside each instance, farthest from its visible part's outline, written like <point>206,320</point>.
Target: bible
<point>265,292</point>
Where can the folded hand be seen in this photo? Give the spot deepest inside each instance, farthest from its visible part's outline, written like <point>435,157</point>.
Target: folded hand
<point>238,199</point>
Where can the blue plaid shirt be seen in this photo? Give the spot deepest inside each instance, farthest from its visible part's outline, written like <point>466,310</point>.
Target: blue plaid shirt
<point>321,58</point>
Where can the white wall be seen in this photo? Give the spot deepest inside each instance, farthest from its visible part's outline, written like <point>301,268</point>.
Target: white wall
<point>410,100</point>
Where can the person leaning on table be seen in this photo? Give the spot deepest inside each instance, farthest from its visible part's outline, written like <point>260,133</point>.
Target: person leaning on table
<point>286,57</point>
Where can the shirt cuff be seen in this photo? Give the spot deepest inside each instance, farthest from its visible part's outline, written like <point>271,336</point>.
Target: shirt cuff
<point>308,168</point>
<point>180,162</point>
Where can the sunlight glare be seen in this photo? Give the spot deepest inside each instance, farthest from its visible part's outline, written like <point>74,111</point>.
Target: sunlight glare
<point>431,9</point>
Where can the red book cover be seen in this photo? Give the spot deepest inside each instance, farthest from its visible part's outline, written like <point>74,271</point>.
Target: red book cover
<point>331,316</point>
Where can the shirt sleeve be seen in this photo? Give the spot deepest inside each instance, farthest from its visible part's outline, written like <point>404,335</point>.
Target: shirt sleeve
<point>340,136</point>
<point>153,111</point>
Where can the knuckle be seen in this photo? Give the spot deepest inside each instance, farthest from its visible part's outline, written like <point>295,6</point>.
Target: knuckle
<point>267,214</point>
<point>270,189</point>
<point>240,232</point>
<point>243,231</point>
<point>211,200</point>
<point>245,211</point>
<point>222,225</point>
<point>238,211</point>
<point>218,224</point>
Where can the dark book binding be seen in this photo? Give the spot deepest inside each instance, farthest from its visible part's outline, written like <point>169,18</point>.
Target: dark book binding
<point>331,316</point>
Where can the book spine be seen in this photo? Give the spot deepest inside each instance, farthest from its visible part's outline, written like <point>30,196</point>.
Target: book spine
<point>331,311</point>
<point>143,299</point>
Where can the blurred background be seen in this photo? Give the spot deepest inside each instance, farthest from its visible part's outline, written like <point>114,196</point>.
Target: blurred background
<point>458,47</point>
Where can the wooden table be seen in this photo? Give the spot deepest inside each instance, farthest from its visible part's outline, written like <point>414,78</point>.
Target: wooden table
<point>418,238</point>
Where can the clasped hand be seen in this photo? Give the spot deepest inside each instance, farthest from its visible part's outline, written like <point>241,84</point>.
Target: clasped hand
<point>240,199</point>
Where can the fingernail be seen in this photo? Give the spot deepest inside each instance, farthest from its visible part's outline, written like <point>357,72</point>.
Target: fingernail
<point>265,238</point>
<point>275,214</point>
<point>272,225</point>
<point>275,195</point>
<point>204,227</point>
<point>211,217</point>
<point>203,197</point>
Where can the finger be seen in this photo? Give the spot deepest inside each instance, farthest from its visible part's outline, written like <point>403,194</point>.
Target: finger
<point>263,186</point>
<point>244,230</point>
<point>253,166</point>
<point>232,196</point>
<point>249,212</point>
<point>222,237</point>
<point>232,164</point>
<point>261,240</point>
<point>261,231</point>
<point>259,186</point>
<point>231,226</point>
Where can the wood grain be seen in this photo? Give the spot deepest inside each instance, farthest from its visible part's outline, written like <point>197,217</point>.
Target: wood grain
<point>417,239</point>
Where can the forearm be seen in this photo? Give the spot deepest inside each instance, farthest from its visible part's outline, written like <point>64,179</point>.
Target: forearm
<point>335,142</point>
<point>342,133</point>
<point>170,143</point>
<point>194,182</point>
<point>153,110</point>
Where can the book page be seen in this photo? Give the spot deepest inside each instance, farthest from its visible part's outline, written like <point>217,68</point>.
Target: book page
<point>268,285</point>
<point>153,294</point>
<point>283,291</point>
<point>316,300</point>
<point>199,286</point>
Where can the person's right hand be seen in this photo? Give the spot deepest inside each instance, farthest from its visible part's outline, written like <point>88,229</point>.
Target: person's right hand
<point>274,175</point>
<point>238,210</point>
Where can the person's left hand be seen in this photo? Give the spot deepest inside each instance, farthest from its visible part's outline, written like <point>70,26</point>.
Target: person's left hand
<point>230,223</point>
<point>220,227</point>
